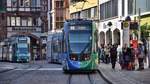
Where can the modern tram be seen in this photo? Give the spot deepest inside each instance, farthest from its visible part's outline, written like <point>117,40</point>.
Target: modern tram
<point>20,49</point>
<point>79,46</point>
<point>54,47</point>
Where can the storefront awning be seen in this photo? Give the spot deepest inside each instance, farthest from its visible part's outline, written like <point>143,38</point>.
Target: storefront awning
<point>145,21</point>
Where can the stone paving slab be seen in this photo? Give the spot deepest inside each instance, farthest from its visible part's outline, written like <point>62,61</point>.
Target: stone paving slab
<point>2,70</point>
<point>119,76</point>
<point>7,66</point>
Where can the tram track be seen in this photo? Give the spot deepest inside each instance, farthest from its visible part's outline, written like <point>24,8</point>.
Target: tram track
<point>104,78</point>
<point>92,78</point>
<point>9,70</point>
<point>16,74</point>
<point>69,79</point>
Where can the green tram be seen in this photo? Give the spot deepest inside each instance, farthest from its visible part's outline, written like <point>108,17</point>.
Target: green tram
<point>79,43</point>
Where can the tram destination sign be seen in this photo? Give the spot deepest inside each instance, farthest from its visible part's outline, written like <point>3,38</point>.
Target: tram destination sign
<point>80,27</point>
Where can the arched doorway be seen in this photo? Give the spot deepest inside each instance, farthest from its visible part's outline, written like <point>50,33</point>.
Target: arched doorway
<point>102,38</point>
<point>35,45</point>
<point>109,37</point>
<point>116,36</point>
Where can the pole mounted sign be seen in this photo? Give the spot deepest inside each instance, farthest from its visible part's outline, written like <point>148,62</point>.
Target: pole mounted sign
<point>125,24</point>
<point>126,27</point>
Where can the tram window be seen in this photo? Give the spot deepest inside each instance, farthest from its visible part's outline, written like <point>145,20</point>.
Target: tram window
<point>56,46</point>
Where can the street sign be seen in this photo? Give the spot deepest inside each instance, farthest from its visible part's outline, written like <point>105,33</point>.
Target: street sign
<point>125,24</point>
<point>126,33</point>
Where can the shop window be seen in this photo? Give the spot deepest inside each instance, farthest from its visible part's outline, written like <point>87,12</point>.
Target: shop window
<point>13,21</point>
<point>14,3</point>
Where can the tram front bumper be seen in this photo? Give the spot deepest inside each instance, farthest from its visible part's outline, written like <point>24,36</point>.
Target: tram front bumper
<point>81,66</point>
<point>23,58</point>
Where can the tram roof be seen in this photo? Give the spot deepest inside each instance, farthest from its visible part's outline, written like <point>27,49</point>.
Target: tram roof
<point>54,35</point>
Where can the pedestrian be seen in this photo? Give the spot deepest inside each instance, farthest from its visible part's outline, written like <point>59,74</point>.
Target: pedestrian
<point>140,56</point>
<point>121,61</point>
<point>126,56</point>
<point>132,59</point>
<point>129,52</point>
<point>99,53</point>
<point>106,49</point>
<point>113,56</point>
<point>102,54</point>
<point>124,49</point>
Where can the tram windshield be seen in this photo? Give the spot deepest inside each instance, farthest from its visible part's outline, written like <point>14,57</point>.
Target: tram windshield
<point>80,40</point>
<point>23,48</point>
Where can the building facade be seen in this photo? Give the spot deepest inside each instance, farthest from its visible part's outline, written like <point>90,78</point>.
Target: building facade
<point>57,14</point>
<point>66,9</point>
<point>49,14</point>
<point>122,21</point>
<point>86,9</point>
<point>115,12</point>
<point>29,18</point>
<point>110,30</point>
<point>3,32</point>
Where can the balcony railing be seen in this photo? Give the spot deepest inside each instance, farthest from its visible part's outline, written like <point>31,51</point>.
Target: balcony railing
<point>24,9</point>
<point>34,29</point>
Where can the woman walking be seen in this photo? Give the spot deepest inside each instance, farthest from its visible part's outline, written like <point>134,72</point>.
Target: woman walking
<point>140,56</point>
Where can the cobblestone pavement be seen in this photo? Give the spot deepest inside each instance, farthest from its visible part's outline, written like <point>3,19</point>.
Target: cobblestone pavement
<point>119,76</point>
<point>40,72</point>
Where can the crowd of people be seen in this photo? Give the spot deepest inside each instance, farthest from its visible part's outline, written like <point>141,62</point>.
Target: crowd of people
<point>126,56</point>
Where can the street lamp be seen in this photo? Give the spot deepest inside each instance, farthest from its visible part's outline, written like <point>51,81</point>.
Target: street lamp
<point>109,25</point>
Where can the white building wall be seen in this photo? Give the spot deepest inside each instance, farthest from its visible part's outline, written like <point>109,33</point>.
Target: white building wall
<point>120,8</point>
<point>116,22</point>
<point>53,15</point>
<point>103,1</point>
<point>126,8</point>
<point>49,14</point>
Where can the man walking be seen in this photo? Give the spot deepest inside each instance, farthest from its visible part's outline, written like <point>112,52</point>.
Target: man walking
<point>113,55</point>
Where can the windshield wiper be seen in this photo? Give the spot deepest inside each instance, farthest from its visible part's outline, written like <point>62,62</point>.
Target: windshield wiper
<point>87,46</point>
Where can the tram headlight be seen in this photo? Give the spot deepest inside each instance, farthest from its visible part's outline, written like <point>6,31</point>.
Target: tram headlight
<point>73,57</point>
<point>86,56</point>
